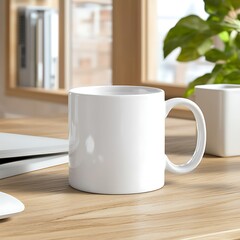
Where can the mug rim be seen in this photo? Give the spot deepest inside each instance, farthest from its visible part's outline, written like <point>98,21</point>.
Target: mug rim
<point>116,91</point>
<point>219,87</point>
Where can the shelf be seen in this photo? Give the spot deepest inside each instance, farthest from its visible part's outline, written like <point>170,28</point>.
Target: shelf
<point>58,96</point>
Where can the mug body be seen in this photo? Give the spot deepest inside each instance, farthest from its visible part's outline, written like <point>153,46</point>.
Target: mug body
<point>220,106</point>
<point>117,139</point>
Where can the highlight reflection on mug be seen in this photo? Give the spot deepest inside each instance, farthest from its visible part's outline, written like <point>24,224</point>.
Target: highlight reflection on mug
<point>90,145</point>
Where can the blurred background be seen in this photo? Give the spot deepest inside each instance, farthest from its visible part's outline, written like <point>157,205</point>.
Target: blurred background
<point>50,46</point>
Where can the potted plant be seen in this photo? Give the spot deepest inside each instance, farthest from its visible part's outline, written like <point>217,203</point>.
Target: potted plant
<point>196,37</point>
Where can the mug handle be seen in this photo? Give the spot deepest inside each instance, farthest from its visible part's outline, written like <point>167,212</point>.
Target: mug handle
<point>201,136</point>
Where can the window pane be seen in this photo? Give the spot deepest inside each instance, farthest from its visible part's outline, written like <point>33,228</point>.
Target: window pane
<point>91,43</point>
<point>169,70</point>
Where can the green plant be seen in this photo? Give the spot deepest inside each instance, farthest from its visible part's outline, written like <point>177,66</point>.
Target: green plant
<point>195,37</point>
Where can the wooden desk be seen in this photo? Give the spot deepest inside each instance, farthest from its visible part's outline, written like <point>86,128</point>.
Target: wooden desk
<point>204,204</point>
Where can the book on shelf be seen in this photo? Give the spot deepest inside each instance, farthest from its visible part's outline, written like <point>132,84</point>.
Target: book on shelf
<point>39,51</point>
<point>38,47</point>
<point>51,47</point>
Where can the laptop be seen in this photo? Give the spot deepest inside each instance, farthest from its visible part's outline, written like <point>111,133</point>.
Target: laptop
<point>24,153</point>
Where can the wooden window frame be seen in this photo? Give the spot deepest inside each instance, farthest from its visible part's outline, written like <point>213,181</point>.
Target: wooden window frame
<point>134,41</point>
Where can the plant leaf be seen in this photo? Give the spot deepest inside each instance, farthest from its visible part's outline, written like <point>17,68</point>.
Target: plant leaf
<point>220,7</point>
<point>217,68</point>
<point>233,77</point>
<point>235,4</point>
<point>217,78</point>
<point>237,40</point>
<point>217,24</point>
<point>215,55</point>
<point>188,54</point>
<point>224,36</point>
<point>198,81</point>
<point>205,46</point>
<point>189,32</point>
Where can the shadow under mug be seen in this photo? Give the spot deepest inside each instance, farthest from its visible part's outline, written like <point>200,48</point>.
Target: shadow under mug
<point>117,139</point>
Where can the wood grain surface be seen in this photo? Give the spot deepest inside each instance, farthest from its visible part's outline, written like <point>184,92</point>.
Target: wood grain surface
<point>204,204</point>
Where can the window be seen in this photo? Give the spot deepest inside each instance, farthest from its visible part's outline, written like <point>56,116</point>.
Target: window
<point>91,43</point>
<point>137,34</point>
<point>169,70</point>
<point>109,42</point>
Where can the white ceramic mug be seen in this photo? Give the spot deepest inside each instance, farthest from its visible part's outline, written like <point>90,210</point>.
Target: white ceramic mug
<point>117,139</point>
